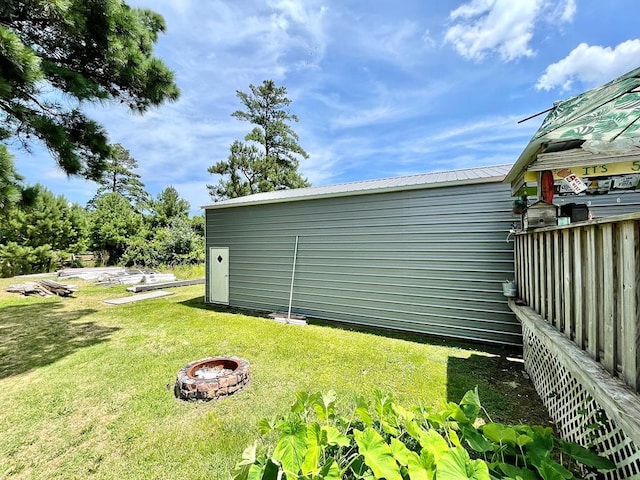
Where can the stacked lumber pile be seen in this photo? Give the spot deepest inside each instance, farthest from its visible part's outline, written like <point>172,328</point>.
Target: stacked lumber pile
<point>132,277</point>
<point>116,275</point>
<point>44,288</point>
<point>90,273</point>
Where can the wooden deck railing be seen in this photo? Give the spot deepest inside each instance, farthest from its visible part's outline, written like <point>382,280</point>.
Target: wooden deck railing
<point>583,279</point>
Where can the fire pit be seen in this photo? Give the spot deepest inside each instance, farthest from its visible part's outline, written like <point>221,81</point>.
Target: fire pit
<point>212,378</point>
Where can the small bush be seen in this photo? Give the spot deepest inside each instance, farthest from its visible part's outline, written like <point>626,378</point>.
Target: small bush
<point>385,440</point>
<point>20,260</point>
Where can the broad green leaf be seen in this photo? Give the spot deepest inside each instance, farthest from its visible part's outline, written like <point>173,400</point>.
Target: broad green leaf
<point>382,403</point>
<point>302,399</point>
<point>455,464</point>
<point>523,440</point>
<point>438,419</point>
<point>470,405</point>
<point>540,448</point>
<point>314,449</point>
<point>249,454</point>
<point>335,437</point>
<point>324,405</point>
<point>453,436</point>
<point>388,428</point>
<point>402,414</point>
<point>330,471</point>
<point>256,472</point>
<point>362,411</point>
<point>497,432</point>
<point>515,472</point>
<point>475,439</point>
<point>291,446</point>
<point>414,429</point>
<point>421,467</point>
<point>550,470</point>
<point>400,451</point>
<point>377,454</point>
<point>454,411</point>
<point>433,443</point>
<point>248,459</point>
<point>586,456</point>
<point>265,425</point>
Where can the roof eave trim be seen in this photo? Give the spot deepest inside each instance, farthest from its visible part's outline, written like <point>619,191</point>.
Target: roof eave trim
<point>527,156</point>
<point>399,188</point>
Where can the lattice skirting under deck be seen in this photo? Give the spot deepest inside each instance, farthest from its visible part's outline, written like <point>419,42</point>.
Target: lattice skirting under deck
<point>579,417</point>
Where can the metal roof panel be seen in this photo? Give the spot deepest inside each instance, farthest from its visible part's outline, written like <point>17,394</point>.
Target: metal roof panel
<point>424,180</point>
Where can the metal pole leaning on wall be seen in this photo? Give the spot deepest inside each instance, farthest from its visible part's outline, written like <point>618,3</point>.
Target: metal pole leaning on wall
<point>293,276</point>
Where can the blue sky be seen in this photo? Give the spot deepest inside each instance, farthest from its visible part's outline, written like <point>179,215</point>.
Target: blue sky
<point>381,88</point>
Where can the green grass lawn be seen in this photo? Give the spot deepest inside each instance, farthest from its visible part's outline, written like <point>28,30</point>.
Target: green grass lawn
<point>86,388</point>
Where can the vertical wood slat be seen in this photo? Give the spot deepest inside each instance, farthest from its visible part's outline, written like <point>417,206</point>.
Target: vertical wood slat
<point>536,272</point>
<point>566,282</point>
<point>522,288</point>
<point>525,269</point>
<point>557,281</point>
<point>628,306</point>
<point>585,281</point>
<point>608,287</point>
<point>578,284</point>
<point>519,265</point>
<point>548,275</point>
<point>591,286</point>
<point>542,277</point>
<point>530,262</point>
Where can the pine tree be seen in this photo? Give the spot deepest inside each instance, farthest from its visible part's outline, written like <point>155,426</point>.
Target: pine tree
<point>268,160</point>
<point>56,54</point>
<point>167,206</point>
<point>119,177</point>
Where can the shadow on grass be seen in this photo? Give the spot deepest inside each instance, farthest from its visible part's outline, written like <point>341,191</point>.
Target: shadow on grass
<point>198,302</point>
<point>32,336</point>
<point>505,390</point>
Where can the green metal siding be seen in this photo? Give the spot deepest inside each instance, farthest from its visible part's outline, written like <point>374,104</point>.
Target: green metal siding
<point>430,261</point>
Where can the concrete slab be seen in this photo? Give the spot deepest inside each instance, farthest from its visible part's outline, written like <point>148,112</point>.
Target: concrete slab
<point>137,298</point>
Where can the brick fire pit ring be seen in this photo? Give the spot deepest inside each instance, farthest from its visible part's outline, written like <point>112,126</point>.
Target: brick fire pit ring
<point>212,378</point>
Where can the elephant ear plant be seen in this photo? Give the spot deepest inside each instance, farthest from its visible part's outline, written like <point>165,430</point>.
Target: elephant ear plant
<point>385,440</point>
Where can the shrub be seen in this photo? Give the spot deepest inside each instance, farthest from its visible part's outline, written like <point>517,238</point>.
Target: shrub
<point>20,260</point>
<point>388,441</point>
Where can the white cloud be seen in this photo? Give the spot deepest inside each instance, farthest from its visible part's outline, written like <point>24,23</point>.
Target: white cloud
<point>486,26</point>
<point>591,65</point>
<point>568,11</point>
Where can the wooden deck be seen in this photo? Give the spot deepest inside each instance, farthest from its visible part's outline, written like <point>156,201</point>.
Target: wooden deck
<point>583,279</point>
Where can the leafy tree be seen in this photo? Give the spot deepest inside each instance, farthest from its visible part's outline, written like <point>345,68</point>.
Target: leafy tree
<point>167,206</point>
<point>169,236</point>
<point>119,177</point>
<point>34,237</point>
<point>198,224</point>
<point>113,224</point>
<point>56,54</point>
<point>176,244</point>
<point>49,220</point>
<point>269,159</point>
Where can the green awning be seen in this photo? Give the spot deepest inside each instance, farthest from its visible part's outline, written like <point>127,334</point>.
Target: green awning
<point>603,117</point>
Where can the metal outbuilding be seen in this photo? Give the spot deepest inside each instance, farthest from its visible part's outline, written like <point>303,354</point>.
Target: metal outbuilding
<point>422,253</point>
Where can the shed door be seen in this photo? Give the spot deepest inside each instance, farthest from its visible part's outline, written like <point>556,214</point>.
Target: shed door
<point>219,275</point>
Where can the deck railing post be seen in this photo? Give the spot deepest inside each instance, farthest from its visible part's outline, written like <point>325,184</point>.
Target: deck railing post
<point>584,280</point>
